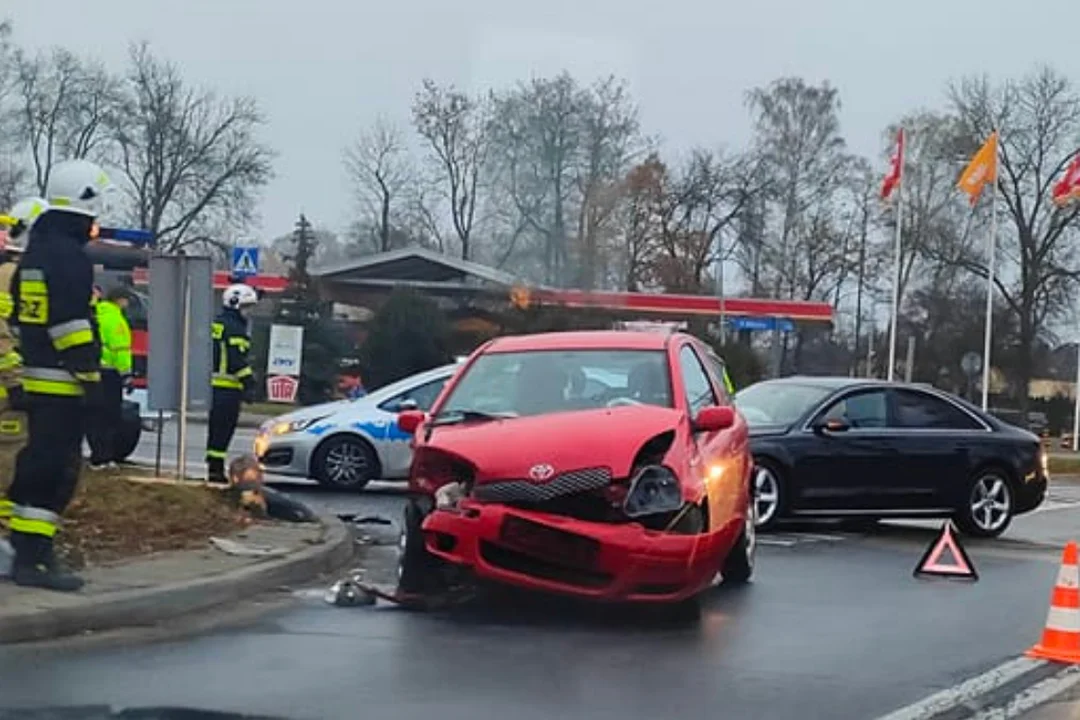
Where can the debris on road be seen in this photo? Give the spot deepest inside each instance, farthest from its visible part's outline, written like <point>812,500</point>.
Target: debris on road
<point>239,549</point>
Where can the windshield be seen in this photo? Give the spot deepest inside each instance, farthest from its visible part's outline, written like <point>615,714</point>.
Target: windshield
<point>549,381</point>
<point>777,403</point>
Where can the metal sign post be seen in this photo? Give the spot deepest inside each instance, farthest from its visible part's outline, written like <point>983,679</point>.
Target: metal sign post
<point>178,363</point>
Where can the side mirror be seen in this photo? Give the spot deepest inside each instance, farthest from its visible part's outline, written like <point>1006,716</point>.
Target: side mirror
<point>406,405</point>
<point>714,418</point>
<point>409,420</point>
<point>833,425</point>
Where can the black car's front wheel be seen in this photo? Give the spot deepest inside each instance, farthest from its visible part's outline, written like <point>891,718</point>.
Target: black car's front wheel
<point>988,506</point>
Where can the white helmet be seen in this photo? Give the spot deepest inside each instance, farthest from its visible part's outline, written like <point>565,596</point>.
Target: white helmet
<point>23,216</point>
<point>239,296</point>
<point>77,186</point>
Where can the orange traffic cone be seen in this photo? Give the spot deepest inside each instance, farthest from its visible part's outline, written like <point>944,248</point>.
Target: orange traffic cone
<point>1061,637</point>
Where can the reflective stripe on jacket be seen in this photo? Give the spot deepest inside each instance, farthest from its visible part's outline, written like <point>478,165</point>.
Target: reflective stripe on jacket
<point>231,370</point>
<point>115,334</point>
<point>51,288</point>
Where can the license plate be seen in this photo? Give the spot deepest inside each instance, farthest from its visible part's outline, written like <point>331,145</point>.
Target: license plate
<point>547,543</point>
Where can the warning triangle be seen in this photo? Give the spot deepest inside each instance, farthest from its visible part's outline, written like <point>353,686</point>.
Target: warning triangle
<point>245,263</point>
<point>946,558</point>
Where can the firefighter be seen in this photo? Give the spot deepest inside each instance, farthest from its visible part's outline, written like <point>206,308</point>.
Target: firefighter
<point>60,377</point>
<point>233,380</point>
<point>12,420</point>
<point>114,334</point>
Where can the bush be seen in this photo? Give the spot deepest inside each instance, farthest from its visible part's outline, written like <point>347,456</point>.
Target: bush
<point>409,334</point>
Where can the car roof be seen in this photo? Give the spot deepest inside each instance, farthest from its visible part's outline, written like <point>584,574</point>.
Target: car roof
<point>581,340</point>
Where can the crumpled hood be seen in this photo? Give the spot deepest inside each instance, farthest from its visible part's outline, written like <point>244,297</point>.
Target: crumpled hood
<point>507,449</point>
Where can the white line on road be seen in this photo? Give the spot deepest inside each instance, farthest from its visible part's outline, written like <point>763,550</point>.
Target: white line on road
<point>1034,696</point>
<point>976,686</point>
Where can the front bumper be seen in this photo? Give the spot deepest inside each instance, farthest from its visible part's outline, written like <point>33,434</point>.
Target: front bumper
<point>599,561</point>
<point>282,455</point>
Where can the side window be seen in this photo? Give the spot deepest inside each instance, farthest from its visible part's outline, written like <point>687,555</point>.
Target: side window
<point>423,395</point>
<point>718,371</point>
<point>923,411</point>
<point>863,410</point>
<point>699,392</point>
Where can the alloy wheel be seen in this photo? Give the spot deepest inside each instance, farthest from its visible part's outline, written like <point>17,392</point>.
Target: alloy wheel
<point>991,503</point>
<point>767,495</point>
<point>346,464</point>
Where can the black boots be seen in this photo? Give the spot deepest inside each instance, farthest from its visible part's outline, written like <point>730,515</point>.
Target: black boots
<point>36,566</point>
<point>216,471</point>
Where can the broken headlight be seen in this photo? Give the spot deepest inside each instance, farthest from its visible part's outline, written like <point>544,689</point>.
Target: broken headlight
<point>654,489</point>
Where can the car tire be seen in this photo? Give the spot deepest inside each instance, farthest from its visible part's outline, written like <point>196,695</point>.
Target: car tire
<point>417,570</point>
<point>988,505</point>
<point>770,492</point>
<point>345,462</point>
<point>129,433</point>
<point>738,566</point>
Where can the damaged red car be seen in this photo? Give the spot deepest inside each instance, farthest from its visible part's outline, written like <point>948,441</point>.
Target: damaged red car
<point>608,465</point>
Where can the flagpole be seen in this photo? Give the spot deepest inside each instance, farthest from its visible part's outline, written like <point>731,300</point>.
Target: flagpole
<point>896,267</point>
<point>991,250</point>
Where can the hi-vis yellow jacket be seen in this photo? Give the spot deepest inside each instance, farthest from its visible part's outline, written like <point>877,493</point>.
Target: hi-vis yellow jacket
<point>10,360</point>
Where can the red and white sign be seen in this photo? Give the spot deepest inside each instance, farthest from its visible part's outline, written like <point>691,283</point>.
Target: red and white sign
<point>282,388</point>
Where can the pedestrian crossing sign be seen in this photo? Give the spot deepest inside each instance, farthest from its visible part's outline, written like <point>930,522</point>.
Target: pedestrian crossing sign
<point>245,261</point>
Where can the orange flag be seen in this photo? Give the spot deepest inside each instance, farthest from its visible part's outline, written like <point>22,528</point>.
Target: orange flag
<point>981,170</point>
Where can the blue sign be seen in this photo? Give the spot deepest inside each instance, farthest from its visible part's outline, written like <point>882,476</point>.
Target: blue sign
<point>761,323</point>
<point>245,261</point>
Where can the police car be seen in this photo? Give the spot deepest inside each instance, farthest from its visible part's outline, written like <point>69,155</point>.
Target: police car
<point>347,443</point>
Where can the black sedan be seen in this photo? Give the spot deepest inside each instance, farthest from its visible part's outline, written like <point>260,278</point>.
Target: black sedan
<point>846,447</point>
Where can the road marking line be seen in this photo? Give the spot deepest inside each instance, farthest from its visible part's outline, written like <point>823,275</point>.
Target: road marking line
<point>1034,696</point>
<point>775,541</point>
<point>967,690</point>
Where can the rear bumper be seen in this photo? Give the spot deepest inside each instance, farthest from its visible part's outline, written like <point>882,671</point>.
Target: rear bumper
<point>1031,493</point>
<point>624,563</point>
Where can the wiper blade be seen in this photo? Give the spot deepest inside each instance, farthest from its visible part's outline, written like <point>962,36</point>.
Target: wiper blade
<point>452,417</point>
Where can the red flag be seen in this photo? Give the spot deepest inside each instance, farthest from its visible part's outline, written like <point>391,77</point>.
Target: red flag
<point>1067,189</point>
<point>896,168</point>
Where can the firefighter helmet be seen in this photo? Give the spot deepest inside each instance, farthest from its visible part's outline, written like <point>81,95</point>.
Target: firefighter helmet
<point>239,296</point>
<point>21,219</point>
<point>77,186</point>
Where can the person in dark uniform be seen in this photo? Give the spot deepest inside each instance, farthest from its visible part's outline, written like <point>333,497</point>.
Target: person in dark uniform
<point>233,380</point>
<point>61,377</point>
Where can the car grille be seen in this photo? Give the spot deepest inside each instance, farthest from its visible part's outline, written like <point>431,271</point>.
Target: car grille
<point>524,491</point>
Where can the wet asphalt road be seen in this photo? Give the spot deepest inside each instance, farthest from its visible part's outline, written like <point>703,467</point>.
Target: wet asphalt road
<point>834,627</point>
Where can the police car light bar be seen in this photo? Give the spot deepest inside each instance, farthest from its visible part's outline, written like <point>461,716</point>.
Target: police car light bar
<point>135,237</point>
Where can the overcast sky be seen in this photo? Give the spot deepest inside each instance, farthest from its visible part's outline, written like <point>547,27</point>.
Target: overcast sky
<point>324,69</point>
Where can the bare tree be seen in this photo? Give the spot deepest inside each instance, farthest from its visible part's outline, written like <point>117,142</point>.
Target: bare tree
<point>11,170</point>
<point>1038,118</point>
<point>641,218</point>
<point>379,169</point>
<point>456,128</point>
<point>190,157</point>
<point>65,107</point>
<point>797,137</point>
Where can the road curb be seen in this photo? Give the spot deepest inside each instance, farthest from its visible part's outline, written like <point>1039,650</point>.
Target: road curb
<point>142,607</point>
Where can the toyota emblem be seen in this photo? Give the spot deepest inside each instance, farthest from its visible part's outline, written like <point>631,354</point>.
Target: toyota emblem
<point>541,472</point>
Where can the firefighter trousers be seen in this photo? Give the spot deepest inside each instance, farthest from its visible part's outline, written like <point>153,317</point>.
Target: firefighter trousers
<point>224,414</point>
<point>47,468</point>
<point>107,419</point>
